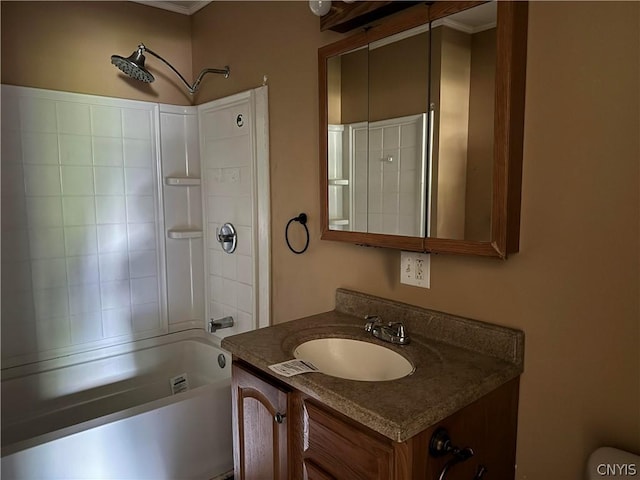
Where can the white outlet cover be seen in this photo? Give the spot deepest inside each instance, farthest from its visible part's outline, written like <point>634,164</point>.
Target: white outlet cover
<point>415,269</point>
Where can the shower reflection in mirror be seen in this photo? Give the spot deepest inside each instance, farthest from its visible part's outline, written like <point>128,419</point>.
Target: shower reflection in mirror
<point>396,166</point>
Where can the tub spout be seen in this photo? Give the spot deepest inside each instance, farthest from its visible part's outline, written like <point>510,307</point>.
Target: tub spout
<point>224,322</point>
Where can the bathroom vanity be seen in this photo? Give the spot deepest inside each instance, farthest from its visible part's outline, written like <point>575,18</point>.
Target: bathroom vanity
<point>456,411</point>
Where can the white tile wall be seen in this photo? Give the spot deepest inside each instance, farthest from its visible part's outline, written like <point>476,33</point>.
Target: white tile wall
<point>43,212</point>
<point>83,270</point>
<point>113,266</point>
<point>229,197</point>
<point>43,243</point>
<point>185,257</point>
<point>393,188</point>
<point>106,121</point>
<point>75,150</point>
<point>109,181</point>
<point>244,269</point>
<point>74,118</point>
<point>115,294</point>
<point>86,327</point>
<point>359,144</point>
<point>108,151</point>
<point>36,115</point>
<point>116,321</point>
<point>145,317</point>
<point>37,148</point>
<point>78,211</point>
<point>79,236</point>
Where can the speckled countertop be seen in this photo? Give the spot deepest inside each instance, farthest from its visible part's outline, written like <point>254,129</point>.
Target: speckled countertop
<point>456,362</point>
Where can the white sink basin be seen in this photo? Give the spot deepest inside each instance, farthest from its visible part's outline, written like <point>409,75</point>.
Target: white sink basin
<point>354,359</point>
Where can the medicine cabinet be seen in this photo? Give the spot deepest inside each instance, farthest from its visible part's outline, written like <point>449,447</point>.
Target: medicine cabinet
<point>421,130</point>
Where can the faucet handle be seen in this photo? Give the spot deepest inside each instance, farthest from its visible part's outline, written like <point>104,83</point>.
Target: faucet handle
<point>400,332</point>
<point>372,320</point>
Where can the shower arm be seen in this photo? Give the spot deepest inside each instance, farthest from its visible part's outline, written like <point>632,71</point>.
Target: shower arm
<point>192,89</point>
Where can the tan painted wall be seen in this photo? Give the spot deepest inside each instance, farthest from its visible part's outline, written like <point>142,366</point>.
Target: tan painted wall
<point>68,45</point>
<point>334,90</point>
<point>355,86</point>
<point>574,286</point>
<point>480,155</point>
<point>452,105</point>
<point>386,82</point>
<point>577,304</point>
<point>398,78</point>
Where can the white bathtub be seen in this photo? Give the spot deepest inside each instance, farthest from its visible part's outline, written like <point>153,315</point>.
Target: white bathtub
<point>111,414</point>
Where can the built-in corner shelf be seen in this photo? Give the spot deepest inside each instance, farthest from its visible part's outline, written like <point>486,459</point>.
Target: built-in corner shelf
<point>334,222</point>
<point>184,233</point>
<point>339,181</point>
<point>183,181</point>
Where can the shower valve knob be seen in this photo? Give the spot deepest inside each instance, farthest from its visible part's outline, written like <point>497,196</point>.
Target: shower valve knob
<point>227,237</point>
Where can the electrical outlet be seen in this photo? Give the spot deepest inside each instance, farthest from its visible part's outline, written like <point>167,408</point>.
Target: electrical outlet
<point>406,268</point>
<point>419,269</point>
<point>415,269</point>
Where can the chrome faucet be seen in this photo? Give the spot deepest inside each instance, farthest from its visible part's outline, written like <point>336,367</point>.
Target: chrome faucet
<point>392,332</point>
<point>224,322</point>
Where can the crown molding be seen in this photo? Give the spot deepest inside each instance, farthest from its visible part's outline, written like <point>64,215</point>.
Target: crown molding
<point>182,7</point>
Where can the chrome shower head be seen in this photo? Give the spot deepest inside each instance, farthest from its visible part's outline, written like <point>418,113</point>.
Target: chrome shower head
<point>133,65</point>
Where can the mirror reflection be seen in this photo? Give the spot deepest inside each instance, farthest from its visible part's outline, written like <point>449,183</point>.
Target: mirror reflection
<point>463,66</point>
<point>410,134</point>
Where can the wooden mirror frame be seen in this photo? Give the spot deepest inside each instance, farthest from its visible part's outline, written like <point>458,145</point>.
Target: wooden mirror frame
<point>508,129</point>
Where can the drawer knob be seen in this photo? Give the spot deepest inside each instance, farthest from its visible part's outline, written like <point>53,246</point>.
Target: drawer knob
<point>279,417</point>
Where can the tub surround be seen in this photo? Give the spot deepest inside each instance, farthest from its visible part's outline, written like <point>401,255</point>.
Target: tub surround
<point>457,361</point>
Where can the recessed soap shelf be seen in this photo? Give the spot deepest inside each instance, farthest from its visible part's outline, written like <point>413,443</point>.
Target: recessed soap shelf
<point>343,182</point>
<point>184,233</point>
<point>339,221</point>
<point>182,181</point>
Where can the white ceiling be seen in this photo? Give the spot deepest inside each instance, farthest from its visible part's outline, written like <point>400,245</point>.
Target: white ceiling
<point>185,7</point>
<point>475,19</point>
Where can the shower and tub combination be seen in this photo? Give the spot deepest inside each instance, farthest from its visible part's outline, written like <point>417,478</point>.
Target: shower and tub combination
<point>112,271</point>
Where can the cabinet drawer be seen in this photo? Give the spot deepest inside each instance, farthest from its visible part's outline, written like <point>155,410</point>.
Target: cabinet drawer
<point>313,472</point>
<point>335,448</point>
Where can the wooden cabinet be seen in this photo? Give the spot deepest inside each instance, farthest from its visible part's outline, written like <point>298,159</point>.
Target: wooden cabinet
<point>317,443</point>
<point>260,432</point>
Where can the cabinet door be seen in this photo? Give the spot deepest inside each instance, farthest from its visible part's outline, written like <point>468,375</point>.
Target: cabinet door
<point>260,429</point>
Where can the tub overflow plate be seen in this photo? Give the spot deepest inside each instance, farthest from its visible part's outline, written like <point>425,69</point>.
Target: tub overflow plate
<point>222,360</point>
